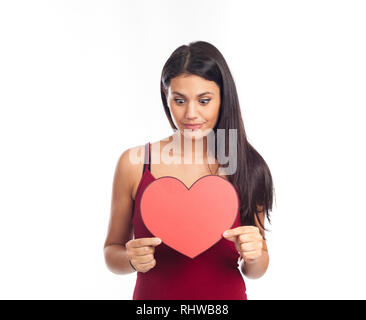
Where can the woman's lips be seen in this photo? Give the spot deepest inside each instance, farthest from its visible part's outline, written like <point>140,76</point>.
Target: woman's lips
<point>193,127</point>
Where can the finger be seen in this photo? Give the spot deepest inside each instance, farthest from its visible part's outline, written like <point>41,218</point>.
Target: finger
<point>236,231</point>
<point>233,238</point>
<point>250,256</point>
<point>145,258</point>
<point>249,237</point>
<point>143,251</point>
<point>233,232</point>
<point>249,229</point>
<point>147,266</point>
<point>142,242</point>
<point>248,247</point>
<point>239,230</point>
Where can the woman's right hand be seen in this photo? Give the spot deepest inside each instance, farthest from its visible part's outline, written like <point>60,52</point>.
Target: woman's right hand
<point>141,253</point>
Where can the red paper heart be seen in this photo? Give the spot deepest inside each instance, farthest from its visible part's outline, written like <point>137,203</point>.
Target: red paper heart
<point>189,220</point>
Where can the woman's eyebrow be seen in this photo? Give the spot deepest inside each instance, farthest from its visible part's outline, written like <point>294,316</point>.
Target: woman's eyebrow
<point>199,95</point>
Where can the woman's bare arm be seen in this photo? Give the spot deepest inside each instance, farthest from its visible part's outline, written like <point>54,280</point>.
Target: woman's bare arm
<point>120,224</point>
<point>258,269</point>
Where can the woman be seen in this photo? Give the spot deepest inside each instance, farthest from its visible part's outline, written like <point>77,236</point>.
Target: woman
<point>199,95</point>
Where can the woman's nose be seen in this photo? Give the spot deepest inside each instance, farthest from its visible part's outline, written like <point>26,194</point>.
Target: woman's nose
<point>191,112</point>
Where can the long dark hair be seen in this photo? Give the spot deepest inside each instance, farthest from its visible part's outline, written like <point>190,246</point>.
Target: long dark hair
<point>252,178</point>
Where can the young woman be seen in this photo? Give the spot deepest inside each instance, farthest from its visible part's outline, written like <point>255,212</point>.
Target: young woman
<point>198,93</point>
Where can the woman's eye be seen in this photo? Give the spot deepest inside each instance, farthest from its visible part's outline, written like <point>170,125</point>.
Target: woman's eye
<point>202,101</point>
<point>177,101</point>
<point>206,101</point>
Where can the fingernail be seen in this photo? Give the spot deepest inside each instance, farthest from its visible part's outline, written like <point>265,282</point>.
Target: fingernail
<point>225,234</point>
<point>158,240</point>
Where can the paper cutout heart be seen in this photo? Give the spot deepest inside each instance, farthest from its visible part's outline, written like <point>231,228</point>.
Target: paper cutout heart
<point>189,220</point>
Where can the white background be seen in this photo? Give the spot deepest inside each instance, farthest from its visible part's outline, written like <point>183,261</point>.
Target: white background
<point>79,84</point>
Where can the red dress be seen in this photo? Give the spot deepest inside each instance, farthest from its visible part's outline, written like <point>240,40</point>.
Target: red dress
<point>213,274</point>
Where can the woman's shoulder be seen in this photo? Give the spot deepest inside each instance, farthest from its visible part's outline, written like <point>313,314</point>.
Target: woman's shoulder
<point>132,157</point>
<point>130,165</point>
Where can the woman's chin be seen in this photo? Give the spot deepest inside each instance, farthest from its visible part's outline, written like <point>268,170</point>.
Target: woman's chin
<point>193,134</point>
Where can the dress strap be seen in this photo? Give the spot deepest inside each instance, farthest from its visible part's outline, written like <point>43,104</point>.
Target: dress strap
<point>147,157</point>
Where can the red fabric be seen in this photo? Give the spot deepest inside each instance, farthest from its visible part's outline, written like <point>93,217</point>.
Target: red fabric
<point>214,274</point>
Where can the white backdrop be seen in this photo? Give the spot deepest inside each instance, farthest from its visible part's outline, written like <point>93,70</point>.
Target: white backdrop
<point>79,84</point>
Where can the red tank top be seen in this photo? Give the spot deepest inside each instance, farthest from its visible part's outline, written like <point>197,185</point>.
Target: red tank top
<point>212,275</point>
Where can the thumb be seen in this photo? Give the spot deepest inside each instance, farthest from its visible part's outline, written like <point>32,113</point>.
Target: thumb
<point>229,237</point>
<point>156,241</point>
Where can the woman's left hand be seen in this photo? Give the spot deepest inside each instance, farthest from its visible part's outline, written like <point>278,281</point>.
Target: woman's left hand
<point>248,241</point>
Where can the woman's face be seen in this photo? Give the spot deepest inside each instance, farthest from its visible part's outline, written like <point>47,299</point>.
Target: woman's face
<point>193,100</point>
